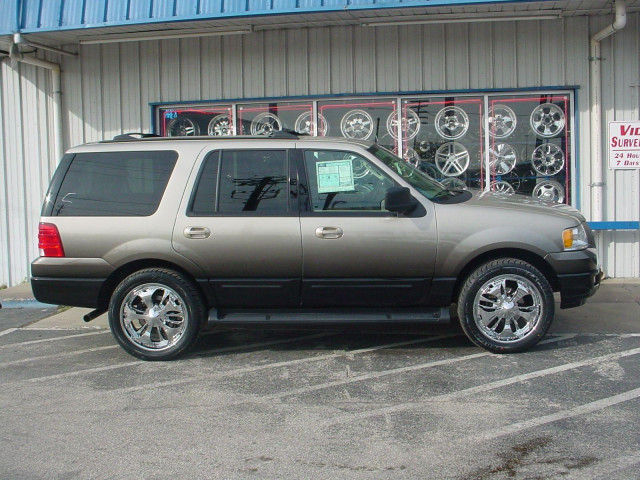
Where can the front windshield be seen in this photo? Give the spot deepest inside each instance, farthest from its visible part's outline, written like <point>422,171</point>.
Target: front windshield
<point>417,179</point>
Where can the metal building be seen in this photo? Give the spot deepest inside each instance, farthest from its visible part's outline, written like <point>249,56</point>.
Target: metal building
<point>524,93</point>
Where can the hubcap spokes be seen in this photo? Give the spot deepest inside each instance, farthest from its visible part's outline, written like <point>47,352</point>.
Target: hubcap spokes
<point>153,316</point>
<point>507,308</point>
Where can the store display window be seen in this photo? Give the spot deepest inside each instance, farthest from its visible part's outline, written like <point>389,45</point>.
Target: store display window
<point>505,143</point>
<point>529,145</point>
<point>443,136</point>
<point>193,121</point>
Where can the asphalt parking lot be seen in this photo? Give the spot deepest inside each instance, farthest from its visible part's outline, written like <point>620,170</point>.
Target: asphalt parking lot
<point>326,405</point>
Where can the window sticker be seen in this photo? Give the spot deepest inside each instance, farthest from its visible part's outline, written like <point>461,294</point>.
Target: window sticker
<point>335,176</point>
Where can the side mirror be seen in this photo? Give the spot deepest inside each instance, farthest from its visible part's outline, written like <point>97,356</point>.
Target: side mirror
<point>399,200</point>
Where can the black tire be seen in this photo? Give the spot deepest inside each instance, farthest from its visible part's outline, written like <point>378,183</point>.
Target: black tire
<point>493,319</point>
<point>167,327</point>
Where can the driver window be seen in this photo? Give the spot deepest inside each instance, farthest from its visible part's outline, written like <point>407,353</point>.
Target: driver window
<point>343,181</point>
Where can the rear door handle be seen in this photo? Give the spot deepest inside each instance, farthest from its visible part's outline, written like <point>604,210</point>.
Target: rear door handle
<point>329,232</point>
<point>197,232</point>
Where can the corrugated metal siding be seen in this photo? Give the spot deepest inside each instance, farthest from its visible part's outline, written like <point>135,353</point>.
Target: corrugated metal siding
<point>26,165</point>
<point>108,90</point>
<point>51,15</point>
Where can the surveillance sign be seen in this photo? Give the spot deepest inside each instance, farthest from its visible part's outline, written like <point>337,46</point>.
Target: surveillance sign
<point>624,145</point>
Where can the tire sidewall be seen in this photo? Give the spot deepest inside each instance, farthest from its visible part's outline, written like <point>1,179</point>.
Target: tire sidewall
<point>193,304</point>
<point>479,278</point>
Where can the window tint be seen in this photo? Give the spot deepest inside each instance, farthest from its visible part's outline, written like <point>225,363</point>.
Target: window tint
<point>343,181</point>
<point>204,198</point>
<point>115,184</point>
<point>253,181</point>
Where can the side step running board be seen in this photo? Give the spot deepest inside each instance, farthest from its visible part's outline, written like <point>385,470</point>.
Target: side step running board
<point>433,315</point>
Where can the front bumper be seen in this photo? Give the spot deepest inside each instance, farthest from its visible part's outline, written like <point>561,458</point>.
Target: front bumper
<point>578,274</point>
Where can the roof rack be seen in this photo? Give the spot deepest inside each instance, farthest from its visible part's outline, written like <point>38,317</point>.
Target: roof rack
<point>133,136</point>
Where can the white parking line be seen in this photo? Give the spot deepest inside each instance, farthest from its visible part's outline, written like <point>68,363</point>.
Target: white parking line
<point>141,362</point>
<point>350,417</point>
<point>7,331</point>
<point>53,339</point>
<point>57,355</point>
<point>561,415</point>
<point>604,470</point>
<point>285,363</point>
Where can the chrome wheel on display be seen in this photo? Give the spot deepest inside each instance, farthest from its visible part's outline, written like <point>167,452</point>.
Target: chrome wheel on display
<point>357,124</point>
<point>502,158</point>
<point>502,121</point>
<point>451,123</point>
<point>452,159</point>
<point>453,183</point>
<point>549,190</point>
<point>428,169</point>
<point>506,305</point>
<point>304,124</point>
<point>410,124</point>
<point>220,126</point>
<point>411,156</point>
<point>547,159</point>
<point>547,120</point>
<point>182,127</point>
<point>501,187</point>
<point>265,123</point>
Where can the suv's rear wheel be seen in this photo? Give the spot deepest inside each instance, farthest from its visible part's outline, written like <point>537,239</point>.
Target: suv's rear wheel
<point>506,305</point>
<point>155,314</point>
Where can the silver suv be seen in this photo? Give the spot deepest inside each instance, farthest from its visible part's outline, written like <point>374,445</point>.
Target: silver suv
<point>173,236</point>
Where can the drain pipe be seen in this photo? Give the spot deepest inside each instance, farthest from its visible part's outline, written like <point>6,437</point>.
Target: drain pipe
<point>597,165</point>
<point>56,93</point>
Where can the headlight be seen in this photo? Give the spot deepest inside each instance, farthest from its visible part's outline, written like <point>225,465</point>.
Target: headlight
<point>575,238</point>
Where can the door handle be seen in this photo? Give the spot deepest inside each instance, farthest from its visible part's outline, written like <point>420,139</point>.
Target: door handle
<point>197,232</point>
<point>329,232</point>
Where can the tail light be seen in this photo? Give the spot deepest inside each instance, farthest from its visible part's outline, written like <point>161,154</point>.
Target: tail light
<point>49,241</point>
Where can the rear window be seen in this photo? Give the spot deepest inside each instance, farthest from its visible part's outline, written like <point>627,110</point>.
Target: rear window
<point>114,184</point>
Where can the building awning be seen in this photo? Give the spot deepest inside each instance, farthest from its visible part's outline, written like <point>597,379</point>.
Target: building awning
<point>57,23</point>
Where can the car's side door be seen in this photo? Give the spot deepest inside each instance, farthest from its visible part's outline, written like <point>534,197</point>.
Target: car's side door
<point>356,253</point>
<point>241,225</point>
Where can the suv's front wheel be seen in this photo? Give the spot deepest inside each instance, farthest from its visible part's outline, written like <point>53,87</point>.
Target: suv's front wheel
<point>156,313</point>
<point>506,305</point>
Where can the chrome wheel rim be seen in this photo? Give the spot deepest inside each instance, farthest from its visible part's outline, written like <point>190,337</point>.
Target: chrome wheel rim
<point>549,190</point>
<point>507,308</point>
<point>547,159</point>
<point>453,183</point>
<point>502,187</point>
<point>502,158</point>
<point>304,124</point>
<point>411,156</point>
<point>220,126</point>
<point>547,120</point>
<point>154,317</point>
<point>357,124</point>
<point>265,123</point>
<point>182,127</point>
<point>410,124</point>
<point>452,159</point>
<point>502,121</point>
<point>452,122</point>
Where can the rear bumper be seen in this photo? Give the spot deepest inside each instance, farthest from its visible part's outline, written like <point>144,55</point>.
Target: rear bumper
<point>74,292</point>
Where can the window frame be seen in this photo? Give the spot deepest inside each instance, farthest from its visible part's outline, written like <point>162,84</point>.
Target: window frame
<point>292,185</point>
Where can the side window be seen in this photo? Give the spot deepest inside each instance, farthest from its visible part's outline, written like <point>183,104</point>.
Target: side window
<point>235,181</point>
<point>114,184</point>
<point>344,181</point>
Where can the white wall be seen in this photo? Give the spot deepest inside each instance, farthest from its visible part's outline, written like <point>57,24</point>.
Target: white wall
<point>107,91</point>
